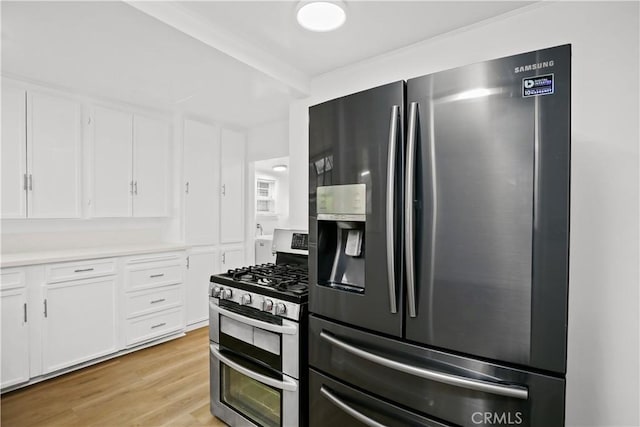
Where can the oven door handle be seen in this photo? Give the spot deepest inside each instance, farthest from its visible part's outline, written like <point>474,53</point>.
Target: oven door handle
<point>286,384</point>
<point>279,329</point>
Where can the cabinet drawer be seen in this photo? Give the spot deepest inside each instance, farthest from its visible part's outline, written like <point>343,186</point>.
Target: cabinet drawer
<point>153,275</point>
<point>152,326</point>
<point>152,300</point>
<point>65,271</point>
<point>10,279</point>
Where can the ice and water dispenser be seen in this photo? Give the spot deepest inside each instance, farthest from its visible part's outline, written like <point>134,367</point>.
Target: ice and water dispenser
<point>341,214</point>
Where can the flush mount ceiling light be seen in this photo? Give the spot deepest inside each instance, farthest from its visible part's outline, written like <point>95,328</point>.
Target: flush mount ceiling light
<point>280,168</point>
<point>321,16</point>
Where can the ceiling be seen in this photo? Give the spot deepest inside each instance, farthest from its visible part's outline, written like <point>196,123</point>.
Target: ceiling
<point>238,62</point>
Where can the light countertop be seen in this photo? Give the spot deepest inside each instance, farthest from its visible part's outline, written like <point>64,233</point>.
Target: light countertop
<point>17,259</point>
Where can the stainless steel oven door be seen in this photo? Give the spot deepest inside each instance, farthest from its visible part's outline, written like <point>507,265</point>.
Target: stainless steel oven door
<point>244,393</point>
<point>266,335</point>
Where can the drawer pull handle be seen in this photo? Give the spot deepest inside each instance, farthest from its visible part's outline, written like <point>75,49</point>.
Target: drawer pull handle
<point>82,270</point>
<point>159,325</point>
<point>155,301</point>
<point>153,276</point>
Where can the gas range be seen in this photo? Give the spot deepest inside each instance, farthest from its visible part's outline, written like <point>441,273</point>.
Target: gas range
<point>258,340</point>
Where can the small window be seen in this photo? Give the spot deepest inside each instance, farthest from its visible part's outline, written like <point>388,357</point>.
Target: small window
<point>265,197</point>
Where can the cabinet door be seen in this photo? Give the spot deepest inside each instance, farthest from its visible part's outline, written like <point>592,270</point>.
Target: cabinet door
<point>53,156</point>
<point>112,163</point>
<point>201,178</point>
<point>14,152</point>
<point>151,144</point>
<point>201,267</point>
<point>232,180</point>
<point>15,337</point>
<point>79,323</point>
<point>231,258</point>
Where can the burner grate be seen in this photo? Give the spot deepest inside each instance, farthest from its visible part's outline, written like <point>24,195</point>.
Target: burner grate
<point>283,277</point>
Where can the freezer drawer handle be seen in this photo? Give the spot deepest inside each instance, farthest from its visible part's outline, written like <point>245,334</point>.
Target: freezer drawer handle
<point>279,329</point>
<point>348,409</point>
<point>517,392</point>
<point>408,208</point>
<point>286,384</point>
<point>391,173</point>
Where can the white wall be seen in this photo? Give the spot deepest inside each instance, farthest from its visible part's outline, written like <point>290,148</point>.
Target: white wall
<point>603,343</point>
<point>268,141</point>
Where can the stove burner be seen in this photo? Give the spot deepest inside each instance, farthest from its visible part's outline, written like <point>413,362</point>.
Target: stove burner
<point>283,277</point>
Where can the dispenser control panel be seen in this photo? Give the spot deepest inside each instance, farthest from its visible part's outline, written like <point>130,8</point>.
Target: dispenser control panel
<point>300,241</point>
<point>342,202</point>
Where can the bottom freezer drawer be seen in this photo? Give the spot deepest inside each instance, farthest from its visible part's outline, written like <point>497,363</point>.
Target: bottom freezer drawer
<point>332,403</point>
<point>448,387</point>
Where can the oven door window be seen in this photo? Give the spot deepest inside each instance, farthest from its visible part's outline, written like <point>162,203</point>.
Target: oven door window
<point>257,401</point>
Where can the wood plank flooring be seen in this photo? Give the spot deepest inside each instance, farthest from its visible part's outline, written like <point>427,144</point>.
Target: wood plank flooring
<point>164,385</point>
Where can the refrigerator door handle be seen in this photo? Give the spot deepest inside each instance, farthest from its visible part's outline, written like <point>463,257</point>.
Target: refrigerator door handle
<point>348,409</point>
<point>391,173</point>
<point>518,392</point>
<point>408,207</point>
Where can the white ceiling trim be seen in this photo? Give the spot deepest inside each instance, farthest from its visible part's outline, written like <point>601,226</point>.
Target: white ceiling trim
<point>181,19</point>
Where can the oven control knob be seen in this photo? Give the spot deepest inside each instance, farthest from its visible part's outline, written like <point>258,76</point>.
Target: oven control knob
<point>217,291</point>
<point>246,299</point>
<point>281,308</point>
<point>227,293</point>
<point>267,305</point>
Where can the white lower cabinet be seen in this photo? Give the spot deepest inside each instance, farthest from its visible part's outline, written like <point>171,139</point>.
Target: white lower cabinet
<point>79,322</point>
<point>200,267</point>
<point>59,316</point>
<point>15,337</point>
<point>153,296</point>
<point>231,258</point>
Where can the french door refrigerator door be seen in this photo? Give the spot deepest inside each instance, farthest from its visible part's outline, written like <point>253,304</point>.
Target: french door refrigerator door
<point>358,139</point>
<point>487,226</point>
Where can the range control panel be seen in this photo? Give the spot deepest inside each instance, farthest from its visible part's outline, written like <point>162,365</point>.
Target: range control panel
<point>300,241</point>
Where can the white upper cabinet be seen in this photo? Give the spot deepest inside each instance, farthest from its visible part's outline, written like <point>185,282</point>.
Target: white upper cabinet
<point>41,152</point>
<point>151,142</point>
<point>111,162</point>
<point>53,156</point>
<point>14,152</point>
<point>232,158</point>
<point>129,164</point>
<point>201,179</point>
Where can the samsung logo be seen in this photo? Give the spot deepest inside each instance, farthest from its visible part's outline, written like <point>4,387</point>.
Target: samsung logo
<point>533,67</point>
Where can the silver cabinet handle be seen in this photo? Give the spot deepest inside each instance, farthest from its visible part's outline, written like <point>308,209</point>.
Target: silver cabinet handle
<point>408,208</point>
<point>135,188</point>
<point>186,187</point>
<point>46,312</point>
<point>25,184</point>
<point>391,173</point>
<point>348,409</point>
<point>153,276</point>
<point>30,182</point>
<point>224,257</point>
<point>286,384</point>
<point>279,329</point>
<point>82,270</point>
<point>158,325</point>
<point>155,301</point>
<point>131,188</point>
<point>224,189</point>
<point>25,312</point>
<point>517,392</point>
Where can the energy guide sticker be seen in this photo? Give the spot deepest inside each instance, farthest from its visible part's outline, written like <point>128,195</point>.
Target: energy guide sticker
<point>538,85</point>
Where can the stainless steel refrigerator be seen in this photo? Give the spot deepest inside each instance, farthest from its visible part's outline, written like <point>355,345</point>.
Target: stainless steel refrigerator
<point>438,248</point>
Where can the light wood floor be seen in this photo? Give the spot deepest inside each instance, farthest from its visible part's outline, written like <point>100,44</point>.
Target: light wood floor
<point>164,385</point>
